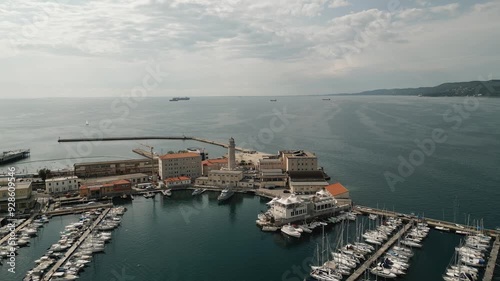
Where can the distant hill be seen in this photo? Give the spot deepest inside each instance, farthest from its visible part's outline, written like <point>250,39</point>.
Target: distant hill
<point>473,88</point>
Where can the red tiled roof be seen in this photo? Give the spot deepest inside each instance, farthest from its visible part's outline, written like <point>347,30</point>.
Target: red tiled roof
<point>336,189</point>
<point>210,162</point>
<point>181,178</point>
<point>95,188</point>
<point>179,155</point>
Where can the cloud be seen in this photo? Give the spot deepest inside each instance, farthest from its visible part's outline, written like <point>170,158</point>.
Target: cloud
<point>219,46</point>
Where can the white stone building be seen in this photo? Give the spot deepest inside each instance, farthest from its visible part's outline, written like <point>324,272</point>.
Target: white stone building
<point>62,185</point>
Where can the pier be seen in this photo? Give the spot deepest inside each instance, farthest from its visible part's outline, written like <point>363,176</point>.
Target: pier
<point>77,209</point>
<point>225,145</point>
<point>11,156</point>
<point>18,228</point>
<point>380,251</point>
<point>490,268</point>
<point>429,221</point>
<point>145,153</point>
<point>73,248</point>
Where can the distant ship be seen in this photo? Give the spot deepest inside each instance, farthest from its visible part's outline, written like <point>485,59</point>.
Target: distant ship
<point>273,100</point>
<point>326,99</point>
<point>180,98</point>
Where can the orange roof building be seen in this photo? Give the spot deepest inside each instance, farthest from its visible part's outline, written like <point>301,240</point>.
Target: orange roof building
<point>338,190</point>
<point>179,155</point>
<point>213,164</point>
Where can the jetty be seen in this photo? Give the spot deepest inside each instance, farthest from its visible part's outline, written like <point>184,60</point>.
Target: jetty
<point>225,145</point>
<point>490,267</point>
<point>18,228</point>
<point>379,253</point>
<point>73,248</point>
<point>76,210</point>
<point>429,221</point>
<point>145,153</point>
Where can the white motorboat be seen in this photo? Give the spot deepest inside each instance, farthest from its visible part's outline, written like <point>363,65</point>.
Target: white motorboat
<point>167,192</point>
<point>198,191</point>
<point>290,231</point>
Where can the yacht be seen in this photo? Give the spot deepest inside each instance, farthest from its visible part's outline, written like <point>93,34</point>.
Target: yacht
<point>290,231</point>
<point>167,192</point>
<point>198,191</point>
<point>225,194</point>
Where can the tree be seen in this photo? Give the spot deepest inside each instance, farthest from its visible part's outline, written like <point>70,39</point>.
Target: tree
<point>170,152</point>
<point>44,174</point>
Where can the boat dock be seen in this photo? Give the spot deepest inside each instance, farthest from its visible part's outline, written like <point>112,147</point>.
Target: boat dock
<point>77,209</point>
<point>18,228</point>
<point>490,267</point>
<point>225,145</point>
<point>380,251</point>
<point>73,248</point>
<point>429,221</point>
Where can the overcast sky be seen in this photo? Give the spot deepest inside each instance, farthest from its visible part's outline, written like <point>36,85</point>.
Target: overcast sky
<point>87,48</point>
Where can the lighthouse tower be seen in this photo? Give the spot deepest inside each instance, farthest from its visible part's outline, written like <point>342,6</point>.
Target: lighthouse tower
<point>231,154</point>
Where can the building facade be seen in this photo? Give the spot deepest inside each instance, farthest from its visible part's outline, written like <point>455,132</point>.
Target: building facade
<point>23,195</point>
<point>62,185</point>
<point>134,179</point>
<point>180,164</point>
<point>112,168</point>
<point>298,160</point>
<point>269,164</point>
<point>111,189</point>
<point>272,178</point>
<point>213,164</point>
<point>177,182</point>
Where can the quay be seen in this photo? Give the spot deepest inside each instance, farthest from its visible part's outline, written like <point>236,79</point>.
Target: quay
<point>77,210</point>
<point>18,228</point>
<point>144,153</point>
<point>73,248</point>
<point>380,251</point>
<point>490,268</point>
<point>155,138</point>
<point>429,221</point>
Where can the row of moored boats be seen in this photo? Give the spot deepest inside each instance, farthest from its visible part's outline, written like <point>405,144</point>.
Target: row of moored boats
<point>94,243</point>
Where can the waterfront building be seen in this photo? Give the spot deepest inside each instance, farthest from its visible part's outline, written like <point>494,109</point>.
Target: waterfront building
<point>110,189</point>
<point>296,208</point>
<point>269,164</point>
<point>231,154</point>
<point>338,191</point>
<point>224,177</point>
<point>115,167</point>
<point>177,181</point>
<point>213,164</point>
<point>292,208</point>
<point>23,195</point>
<point>306,182</point>
<point>298,160</point>
<point>180,164</point>
<point>272,178</point>
<point>62,184</point>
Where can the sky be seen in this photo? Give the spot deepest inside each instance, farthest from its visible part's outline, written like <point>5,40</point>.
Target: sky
<point>85,48</point>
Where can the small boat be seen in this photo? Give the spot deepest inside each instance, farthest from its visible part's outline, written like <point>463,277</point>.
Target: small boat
<point>372,217</point>
<point>290,231</point>
<point>442,228</point>
<point>167,192</point>
<point>198,191</point>
<point>149,195</point>
<point>86,123</point>
<point>225,194</point>
<point>270,228</point>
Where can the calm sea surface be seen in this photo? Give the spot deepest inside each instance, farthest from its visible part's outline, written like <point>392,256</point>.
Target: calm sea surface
<point>359,141</point>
